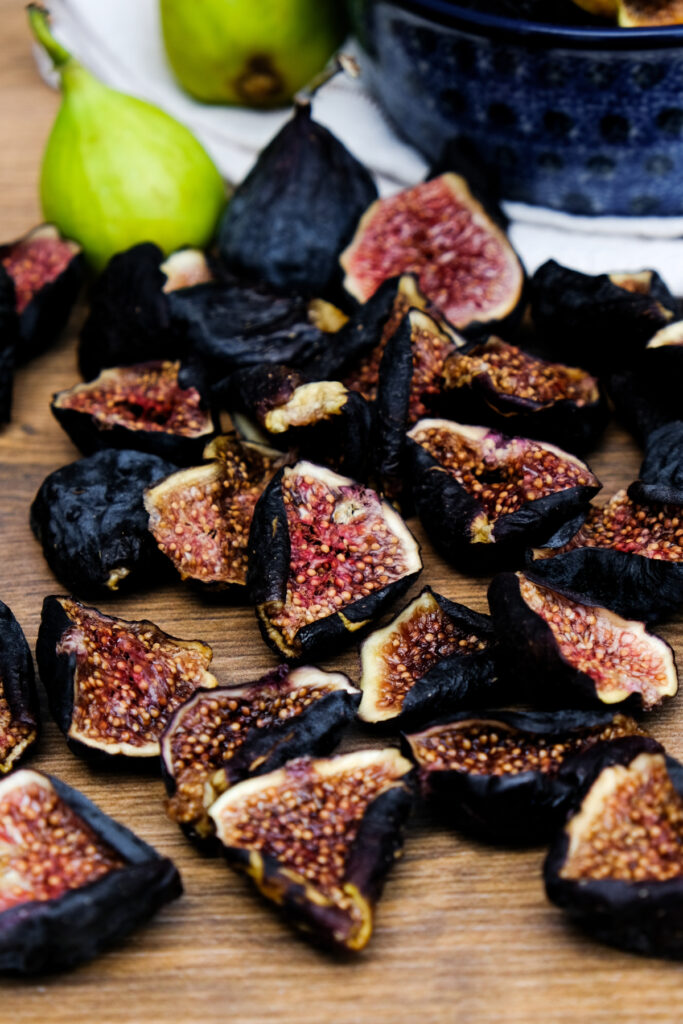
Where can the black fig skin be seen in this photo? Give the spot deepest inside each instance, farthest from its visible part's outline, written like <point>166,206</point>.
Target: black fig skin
<point>9,339</point>
<point>661,472</point>
<point>297,208</point>
<point>636,405</point>
<point>54,935</point>
<point>17,683</point>
<point>91,521</point>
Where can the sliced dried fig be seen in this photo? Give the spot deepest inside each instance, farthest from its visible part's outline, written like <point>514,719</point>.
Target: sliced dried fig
<point>326,556</point>
<point>200,517</point>
<point>219,737</point>
<point>661,473</point>
<point>19,718</point>
<point>562,652</point>
<point>502,774</point>
<point>437,230</point>
<point>112,685</point>
<point>72,881</point>
<point>482,496</point>
<point>318,838</point>
<point>647,394</point>
<point>434,656</point>
<point>9,339</point>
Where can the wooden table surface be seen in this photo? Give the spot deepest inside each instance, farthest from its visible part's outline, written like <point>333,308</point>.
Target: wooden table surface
<point>463,932</point>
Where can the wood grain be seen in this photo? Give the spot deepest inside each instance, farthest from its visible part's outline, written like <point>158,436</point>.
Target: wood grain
<point>463,932</point>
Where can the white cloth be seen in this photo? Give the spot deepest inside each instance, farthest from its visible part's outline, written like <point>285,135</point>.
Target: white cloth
<point>120,41</point>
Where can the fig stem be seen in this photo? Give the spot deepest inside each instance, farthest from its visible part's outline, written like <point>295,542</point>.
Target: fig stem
<point>40,26</point>
<point>340,62</point>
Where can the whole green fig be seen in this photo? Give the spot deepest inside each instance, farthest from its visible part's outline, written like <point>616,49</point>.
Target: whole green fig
<point>118,171</point>
<point>256,53</point>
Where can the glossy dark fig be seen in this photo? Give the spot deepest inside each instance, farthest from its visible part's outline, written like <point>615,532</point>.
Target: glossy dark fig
<point>47,272</point>
<point>151,407</point>
<point>9,339</point>
<point>200,517</point>
<point>297,208</point>
<point>326,557</point>
<point>602,322</point>
<point>562,653</point>
<point>219,737</point>
<point>323,420</point>
<point>627,555</point>
<point>661,474</point>
<point>500,385</point>
<point>616,867</point>
<point>19,715</point>
<point>434,656</point>
<point>112,685</point>
<point>75,880</point>
<point>326,881</point>
<point>437,230</point>
<point>90,518</point>
<point>502,774</point>
<point>130,318</point>
<point>482,496</point>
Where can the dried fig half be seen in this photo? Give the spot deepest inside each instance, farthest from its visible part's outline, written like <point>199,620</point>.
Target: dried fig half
<point>19,718</point>
<point>661,472</point>
<point>151,407</point>
<point>482,496</point>
<point>72,880</point>
<point>112,685</point>
<point>563,652</point>
<point>219,737</point>
<point>9,339</point>
<point>200,517</point>
<point>326,556</point>
<point>616,868</point>
<point>318,837</point>
<point>434,656</point>
<point>501,774</point>
<point>437,230</point>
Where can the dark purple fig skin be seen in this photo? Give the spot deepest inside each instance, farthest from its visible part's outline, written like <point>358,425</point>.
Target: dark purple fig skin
<point>17,676</point>
<point>642,917</point>
<point>637,407</point>
<point>391,414</point>
<point>661,472</point>
<point>90,519</point>
<point>522,809</point>
<point>9,339</point>
<point>58,934</point>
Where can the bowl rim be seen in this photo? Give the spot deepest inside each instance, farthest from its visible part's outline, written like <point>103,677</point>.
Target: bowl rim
<point>611,38</point>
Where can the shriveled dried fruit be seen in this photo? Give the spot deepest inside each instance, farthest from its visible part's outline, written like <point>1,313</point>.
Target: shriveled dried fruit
<point>617,865</point>
<point>151,407</point>
<point>435,656</point>
<point>627,555</point>
<point>222,736</point>
<point>437,230</point>
<point>72,881</point>
<point>112,685</point>
<point>47,272</point>
<point>90,518</point>
<point>661,473</point>
<point>505,775</point>
<point>326,556</point>
<point>504,387</point>
<point>19,722</point>
<point>200,517</point>
<point>647,395</point>
<point>482,496</point>
<point>9,339</point>
<point>318,838</point>
<point>562,652</point>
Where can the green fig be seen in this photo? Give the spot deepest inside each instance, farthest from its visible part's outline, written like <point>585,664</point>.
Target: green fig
<point>255,53</point>
<point>118,171</point>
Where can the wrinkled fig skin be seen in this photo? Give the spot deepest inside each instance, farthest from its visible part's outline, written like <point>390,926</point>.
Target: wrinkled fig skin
<point>58,934</point>
<point>592,322</point>
<point>643,917</point>
<point>530,657</point>
<point>520,808</point>
<point>9,339</point>
<point>90,518</point>
<point>297,208</point>
<point>638,407</point>
<point>661,472</point>
<point>17,689</point>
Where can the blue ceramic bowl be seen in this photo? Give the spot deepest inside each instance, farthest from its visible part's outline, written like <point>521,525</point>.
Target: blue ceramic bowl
<point>579,119</point>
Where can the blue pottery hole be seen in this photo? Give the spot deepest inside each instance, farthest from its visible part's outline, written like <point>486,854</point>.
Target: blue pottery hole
<point>550,162</point>
<point>660,165</point>
<point>557,123</point>
<point>501,115</point>
<point>647,75</point>
<point>615,128</point>
<point>670,121</point>
<point>454,101</point>
<point>601,75</point>
<point>601,166</point>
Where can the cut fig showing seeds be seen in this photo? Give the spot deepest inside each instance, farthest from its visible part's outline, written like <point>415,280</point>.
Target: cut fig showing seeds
<point>19,721</point>
<point>326,556</point>
<point>501,774</point>
<point>319,836</point>
<point>437,230</point>
<point>482,496</point>
<point>222,736</point>
<point>563,652</point>
<point>112,685</point>
<point>200,517</point>
<point>72,881</point>
<point>435,656</point>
